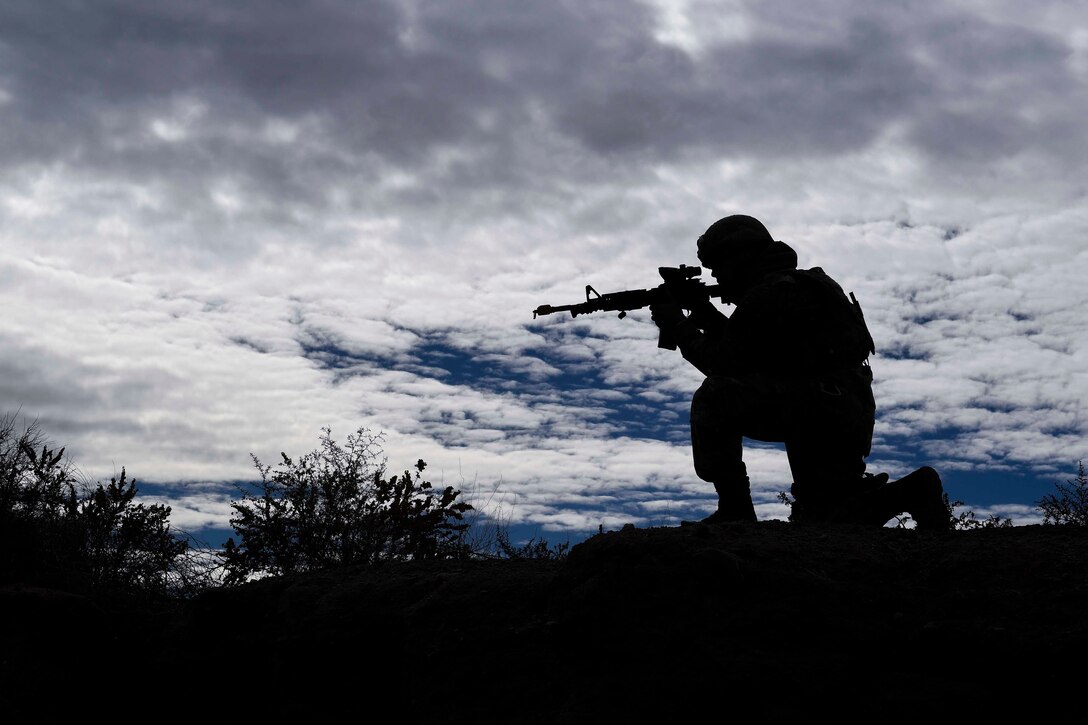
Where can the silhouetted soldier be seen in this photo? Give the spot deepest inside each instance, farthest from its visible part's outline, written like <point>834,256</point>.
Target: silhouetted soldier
<point>789,365</point>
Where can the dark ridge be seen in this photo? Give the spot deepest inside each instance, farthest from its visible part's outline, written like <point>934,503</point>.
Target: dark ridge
<point>765,621</point>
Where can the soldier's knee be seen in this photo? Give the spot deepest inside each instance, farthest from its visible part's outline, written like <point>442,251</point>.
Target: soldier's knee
<point>704,472</point>
<point>712,395</point>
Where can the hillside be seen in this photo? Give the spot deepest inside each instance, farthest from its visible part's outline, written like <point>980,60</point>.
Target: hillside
<point>778,620</point>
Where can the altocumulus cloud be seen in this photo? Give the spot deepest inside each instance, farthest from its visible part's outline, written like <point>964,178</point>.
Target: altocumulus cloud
<point>225,226</point>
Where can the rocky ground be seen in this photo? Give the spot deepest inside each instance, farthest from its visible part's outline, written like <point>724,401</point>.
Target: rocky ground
<point>766,621</point>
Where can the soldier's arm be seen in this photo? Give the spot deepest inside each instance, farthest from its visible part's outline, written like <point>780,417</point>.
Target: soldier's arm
<point>701,338</point>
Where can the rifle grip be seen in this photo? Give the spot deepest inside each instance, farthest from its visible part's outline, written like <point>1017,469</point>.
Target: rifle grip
<point>665,341</point>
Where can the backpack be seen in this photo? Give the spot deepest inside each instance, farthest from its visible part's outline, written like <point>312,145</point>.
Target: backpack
<point>841,336</point>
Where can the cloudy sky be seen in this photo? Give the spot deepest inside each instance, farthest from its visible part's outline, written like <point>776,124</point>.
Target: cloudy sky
<point>224,226</point>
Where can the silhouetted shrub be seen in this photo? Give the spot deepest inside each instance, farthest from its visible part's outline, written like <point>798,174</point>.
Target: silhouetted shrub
<point>55,529</point>
<point>128,545</point>
<point>488,536</point>
<point>968,519</point>
<point>1069,506</point>
<point>335,507</point>
<point>39,536</point>
<point>534,549</point>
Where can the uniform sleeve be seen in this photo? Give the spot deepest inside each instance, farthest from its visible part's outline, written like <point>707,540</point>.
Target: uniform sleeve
<point>767,332</point>
<point>771,329</point>
<point>702,338</point>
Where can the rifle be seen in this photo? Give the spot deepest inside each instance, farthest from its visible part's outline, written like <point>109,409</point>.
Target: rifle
<point>680,283</point>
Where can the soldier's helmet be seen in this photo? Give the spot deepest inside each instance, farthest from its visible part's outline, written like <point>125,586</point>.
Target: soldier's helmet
<point>733,241</point>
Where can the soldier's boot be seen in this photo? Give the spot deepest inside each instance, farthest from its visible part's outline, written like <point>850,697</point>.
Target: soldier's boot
<point>926,503</point>
<point>734,504</point>
<point>919,494</point>
<point>870,481</point>
<point>852,506</point>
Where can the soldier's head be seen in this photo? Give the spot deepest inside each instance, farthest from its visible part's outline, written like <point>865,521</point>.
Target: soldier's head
<point>732,241</point>
<point>737,249</point>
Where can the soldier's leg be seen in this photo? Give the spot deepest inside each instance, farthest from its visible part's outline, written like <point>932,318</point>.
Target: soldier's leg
<point>725,410</point>
<point>827,447</point>
<point>827,455</point>
<point>823,464</point>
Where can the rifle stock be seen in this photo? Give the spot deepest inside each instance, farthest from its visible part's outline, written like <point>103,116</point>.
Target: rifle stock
<point>679,284</point>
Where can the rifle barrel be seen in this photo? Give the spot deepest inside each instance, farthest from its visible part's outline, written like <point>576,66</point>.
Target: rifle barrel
<point>623,301</point>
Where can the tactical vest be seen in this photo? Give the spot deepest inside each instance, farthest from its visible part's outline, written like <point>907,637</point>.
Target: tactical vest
<point>840,338</point>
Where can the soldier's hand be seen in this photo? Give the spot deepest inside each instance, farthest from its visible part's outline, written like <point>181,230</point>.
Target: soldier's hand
<point>686,293</point>
<point>704,314</point>
<point>666,315</point>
